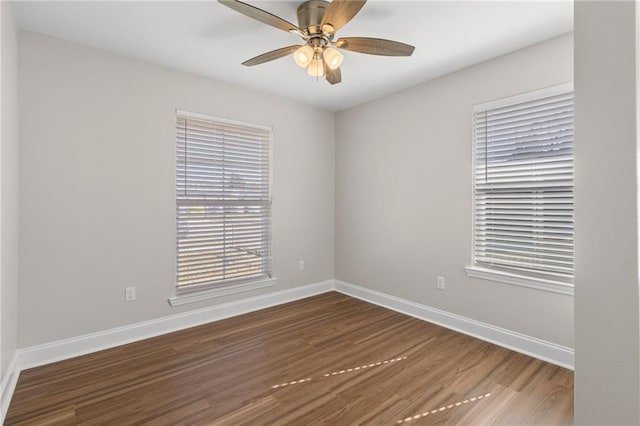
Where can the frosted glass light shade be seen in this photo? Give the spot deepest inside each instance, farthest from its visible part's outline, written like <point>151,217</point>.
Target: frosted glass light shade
<point>332,57</point>
<point>316,68</point>
<point>303,56</point>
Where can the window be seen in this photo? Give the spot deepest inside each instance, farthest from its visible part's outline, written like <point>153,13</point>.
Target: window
<point>523,190</point>
<point>223,204</point>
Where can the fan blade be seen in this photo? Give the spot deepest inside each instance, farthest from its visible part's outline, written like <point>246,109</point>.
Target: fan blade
<point>375,46</point>
<point>339,12</point>
<point>334,76</point>
<point>260,15</point>
<point>270,56</point>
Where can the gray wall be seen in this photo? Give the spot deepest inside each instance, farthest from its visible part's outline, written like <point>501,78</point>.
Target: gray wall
<point>97,186</point>
<point>403,193</point>
<point>9,189</point>
<point>607,332</point>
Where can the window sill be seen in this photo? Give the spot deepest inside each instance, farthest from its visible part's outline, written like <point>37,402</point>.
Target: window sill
<point>197,296</point>
<point>508,278</point>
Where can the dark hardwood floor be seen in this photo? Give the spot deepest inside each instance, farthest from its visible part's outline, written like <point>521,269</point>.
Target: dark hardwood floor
<point>328,359</point>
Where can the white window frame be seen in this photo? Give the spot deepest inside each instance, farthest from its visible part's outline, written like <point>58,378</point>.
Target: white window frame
<point>197,293</point>
<point>504,275</point>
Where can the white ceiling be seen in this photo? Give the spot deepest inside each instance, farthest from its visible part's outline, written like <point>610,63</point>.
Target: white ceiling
<point>209,39</point>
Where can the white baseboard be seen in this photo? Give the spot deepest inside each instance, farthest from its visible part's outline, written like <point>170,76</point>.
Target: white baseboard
<point>47,353</point>
<point>537,348</point>
<point>8,385</point>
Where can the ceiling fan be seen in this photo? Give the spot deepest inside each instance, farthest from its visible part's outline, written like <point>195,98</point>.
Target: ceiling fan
<point>318,21</point>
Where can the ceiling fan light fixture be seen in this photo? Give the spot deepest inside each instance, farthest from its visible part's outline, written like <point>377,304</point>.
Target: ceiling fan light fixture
<point>332,57</point>
<point>328,29</point>
<point>316,68</point>
<point>303,56</point>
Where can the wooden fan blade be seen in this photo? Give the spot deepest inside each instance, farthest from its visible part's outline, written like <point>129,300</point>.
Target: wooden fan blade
<point>339,12</point>
<point>260,15</point>
<point>375,46</point>
<point>334,76</point>
<point>270,56</point>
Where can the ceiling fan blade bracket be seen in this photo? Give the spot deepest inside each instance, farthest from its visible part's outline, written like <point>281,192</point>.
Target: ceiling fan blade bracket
<point>341,43</point>
<point>338,13</point>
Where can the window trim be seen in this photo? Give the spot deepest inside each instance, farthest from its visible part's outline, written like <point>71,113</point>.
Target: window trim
<point>519,280</point>
<point>480,271</point>
<point>185,296</point>
<point>212,293</point>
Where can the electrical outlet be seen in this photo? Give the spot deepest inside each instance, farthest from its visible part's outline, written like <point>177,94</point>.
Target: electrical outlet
<point>129,294</point>
<point>440,283</point>
<point>301,265</point>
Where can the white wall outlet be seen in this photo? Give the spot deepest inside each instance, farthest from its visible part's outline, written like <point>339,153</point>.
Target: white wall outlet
<point>440,283</point>
<point>129,294</point>
<point>301,265</point>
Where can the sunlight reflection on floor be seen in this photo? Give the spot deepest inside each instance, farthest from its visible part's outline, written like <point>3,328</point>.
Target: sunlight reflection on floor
<point>443,408</point>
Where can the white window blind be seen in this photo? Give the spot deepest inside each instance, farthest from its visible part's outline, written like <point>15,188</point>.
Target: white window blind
<point>523,185</point>
<point>223,210</point>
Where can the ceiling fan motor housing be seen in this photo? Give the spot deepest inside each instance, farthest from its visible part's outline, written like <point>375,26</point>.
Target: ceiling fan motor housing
<point>310,15</point>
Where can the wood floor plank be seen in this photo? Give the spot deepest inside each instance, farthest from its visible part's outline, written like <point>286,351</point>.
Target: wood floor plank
<point>327,359</point>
